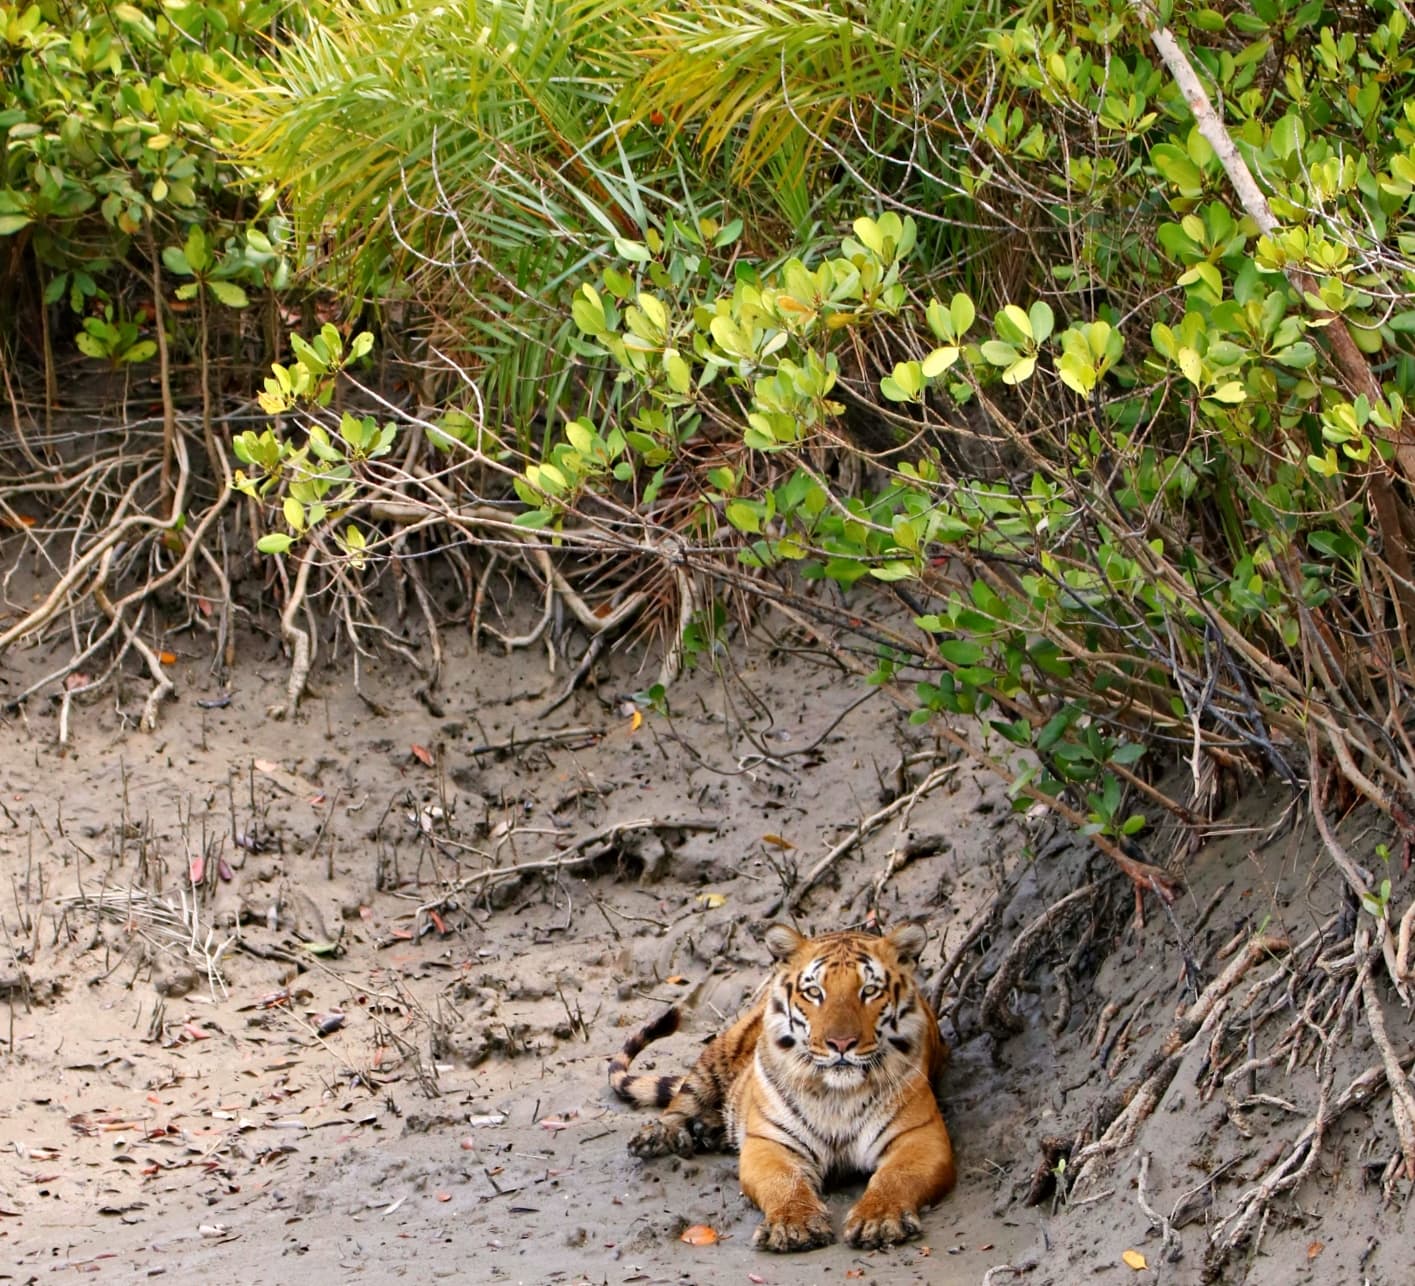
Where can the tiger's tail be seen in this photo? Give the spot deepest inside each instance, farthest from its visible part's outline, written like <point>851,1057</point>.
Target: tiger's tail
<point>644,1090</point>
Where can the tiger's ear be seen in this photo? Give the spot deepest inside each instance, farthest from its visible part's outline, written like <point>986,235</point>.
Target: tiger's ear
<point>782,940</point>
<point>909,940</point>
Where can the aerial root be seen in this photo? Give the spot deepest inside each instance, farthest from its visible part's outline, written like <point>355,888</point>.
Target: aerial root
<point>299,641</point>
<point>996,1012</point>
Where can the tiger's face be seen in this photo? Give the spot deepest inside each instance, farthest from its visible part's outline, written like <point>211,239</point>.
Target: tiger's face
<point>843,1009</point>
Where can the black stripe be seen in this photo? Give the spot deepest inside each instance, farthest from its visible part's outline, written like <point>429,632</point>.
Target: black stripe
<point>796,1145</point>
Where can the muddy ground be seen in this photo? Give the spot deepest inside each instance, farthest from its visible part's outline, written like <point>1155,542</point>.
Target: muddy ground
<point>270,1021</point>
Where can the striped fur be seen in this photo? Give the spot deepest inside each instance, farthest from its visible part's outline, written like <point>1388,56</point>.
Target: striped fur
<point>645,1091</point>
<point>830,1072</point>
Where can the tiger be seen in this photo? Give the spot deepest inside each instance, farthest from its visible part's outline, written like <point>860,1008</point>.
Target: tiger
<point>831,1071</point>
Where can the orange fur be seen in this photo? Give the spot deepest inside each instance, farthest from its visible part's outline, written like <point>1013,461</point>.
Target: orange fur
<point>831,1071</point>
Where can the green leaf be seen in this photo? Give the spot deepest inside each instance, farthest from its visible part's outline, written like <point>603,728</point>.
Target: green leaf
<point>275,542</point>
<point>1191,365</point>
<point>139,352</point>
<point>961,651</point>
<point>308,355</point>
<point>198,255</point>
<point>744,517</point>
<point>1042,320</point>
<point>999,353</point>
<point>961,309</point>
<point>176,261</point>
<point>228,293</point>
<point>1020,370</point>
<point>939,361</point>
<point>12,223</point>
<point>633,251</point>
<point>588,311</point>
<point>1013,317</point>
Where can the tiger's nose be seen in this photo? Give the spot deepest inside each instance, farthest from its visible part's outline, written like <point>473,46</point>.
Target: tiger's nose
<point>842,1044</point>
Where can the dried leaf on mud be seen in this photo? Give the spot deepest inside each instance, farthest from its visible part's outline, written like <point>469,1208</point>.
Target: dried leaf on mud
<point>777,841</point>
<point>1314,1249</point>
<point>699,1234</point>
<point>712,900</point>
<point>1135,1260</point>
<point>422,754</point>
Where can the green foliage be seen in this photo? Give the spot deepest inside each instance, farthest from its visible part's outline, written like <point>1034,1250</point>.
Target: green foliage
<point>1174,534</point>
<point>312,482</point>
<point>1194,471</point>
<point>114,143</point>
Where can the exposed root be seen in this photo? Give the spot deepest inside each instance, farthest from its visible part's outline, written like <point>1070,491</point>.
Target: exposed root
<point>1296,1162</point>
<point>996,1014</point>
<point>301,646</point>
<point>1402,1101</point>
<point>1121,1119</point>
<point>588,848</point>
<point>866,826</point>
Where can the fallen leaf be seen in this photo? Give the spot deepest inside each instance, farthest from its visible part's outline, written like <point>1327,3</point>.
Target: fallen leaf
<point>223,869</point>
<point>712,900</point>
<point>1135,1260</point>
<point>699,1235</point>
<point>422,754</point>
<point>444,1196</point>
<point>756,1279</point>
<point>197,869</point>
<point>1314,1249</point>
<point>167,658</point>
<point>636,721</point>
<point>854,1272</point>
<point>677,980</point>
<point>776,841</point>
<point>195,1032</point>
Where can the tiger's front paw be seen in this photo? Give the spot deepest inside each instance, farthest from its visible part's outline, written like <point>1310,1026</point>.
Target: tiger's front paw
<point>871,1224</point>
<point>795,1231</point>
<point>659,1140</point>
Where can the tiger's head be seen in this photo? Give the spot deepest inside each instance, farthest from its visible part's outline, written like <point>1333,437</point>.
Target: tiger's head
<point>843,1008</point>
